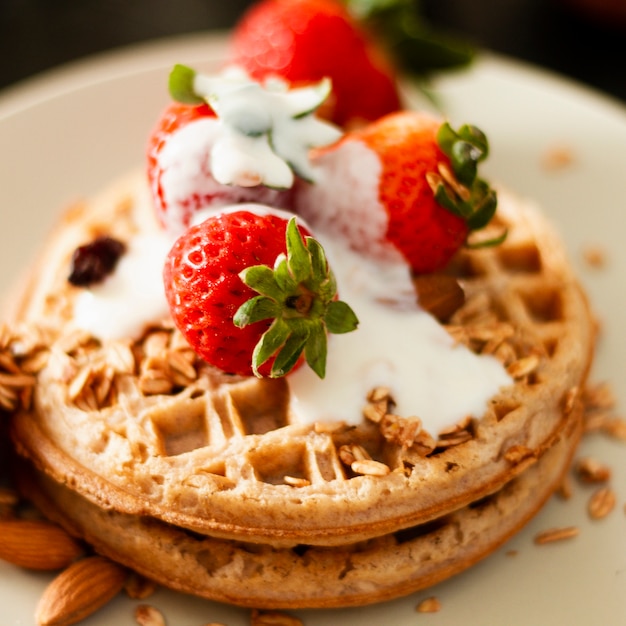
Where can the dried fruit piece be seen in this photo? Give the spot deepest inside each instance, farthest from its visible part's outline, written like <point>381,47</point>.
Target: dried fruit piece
<point>94,261</point>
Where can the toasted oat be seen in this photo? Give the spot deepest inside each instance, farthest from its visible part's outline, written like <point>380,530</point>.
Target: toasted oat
<point>379,403</point>
<point>517,454</point>
<point>556,534</point>
<point>601,503</point>
<point>349,453</point>
<point>599,402</point>
<point>369,467</point>
<point>558,158</point>
<point>524,366</point>
<point>155,382</point>
<point>595,256</point>
<point>273,618</point>
<point>456,439</point>
<point>456,434</point>
<point>16,382</point>
<point>146,615</point>
<point>615,427</point>
<point>565,489</point>
<point>120,357</point>
<point>570,400</point>
<point>295,481</point>
<point>139,587</point>
<point>589,470</point>
<point>429,605</point>
<point>402,431</point>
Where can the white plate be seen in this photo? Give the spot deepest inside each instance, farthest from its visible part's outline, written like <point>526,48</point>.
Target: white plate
<point>68,133</point>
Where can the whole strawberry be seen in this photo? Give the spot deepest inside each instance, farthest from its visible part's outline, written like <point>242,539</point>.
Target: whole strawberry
<point>179,171</point>
<point>405,184</point>
<point>307,40</point>
<point>252,293</point>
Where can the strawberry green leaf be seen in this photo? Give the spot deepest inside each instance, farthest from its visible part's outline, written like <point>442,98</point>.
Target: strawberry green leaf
<point>271,341</point>
<point>489,243</point>
<point>316,350</point>
<point>486,203</point>
<point>476,137</point>
<point>255,310</point>
<point>290,352</point>
<point>263,280</point>
<point>464,158</point>
<point>468,196</point>
<point>283,277</point>
<point>298,257</point>
<point>181,85</point>
<point>340,318</point>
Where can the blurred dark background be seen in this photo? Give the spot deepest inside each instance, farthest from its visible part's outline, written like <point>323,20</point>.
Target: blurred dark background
<point>582,39</point>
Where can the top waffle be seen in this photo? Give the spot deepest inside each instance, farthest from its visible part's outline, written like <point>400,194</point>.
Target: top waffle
<point>144,427</point>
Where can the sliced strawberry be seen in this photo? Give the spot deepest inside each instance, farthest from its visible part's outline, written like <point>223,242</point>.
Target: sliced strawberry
<point>251,296</point>
<point>307,40</point>
<point>410,185</point>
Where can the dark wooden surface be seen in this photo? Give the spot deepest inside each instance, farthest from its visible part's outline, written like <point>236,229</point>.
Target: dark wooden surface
<point>36,35</point>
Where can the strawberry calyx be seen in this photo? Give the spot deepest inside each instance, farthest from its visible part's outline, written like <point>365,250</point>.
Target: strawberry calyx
<point>300,295</point>
<point>459,189</point>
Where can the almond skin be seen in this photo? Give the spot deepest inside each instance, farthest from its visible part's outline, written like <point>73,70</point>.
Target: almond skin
<point>37,544</point>
<point>80,590</point>
<point>439,294</point>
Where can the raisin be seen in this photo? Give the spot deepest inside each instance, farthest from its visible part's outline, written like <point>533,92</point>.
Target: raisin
<point>94,261</point>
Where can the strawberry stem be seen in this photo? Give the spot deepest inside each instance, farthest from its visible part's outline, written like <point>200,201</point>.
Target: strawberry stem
<point>300,295</point>
<point>461,191</point>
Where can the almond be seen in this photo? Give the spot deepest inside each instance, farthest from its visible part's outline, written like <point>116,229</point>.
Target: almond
<point>37,544</point>
<point>79,591</point>
<point>439,294</point>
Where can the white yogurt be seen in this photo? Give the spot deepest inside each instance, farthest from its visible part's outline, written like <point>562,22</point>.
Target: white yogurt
<point>130,298</point>
<point>397,345</point>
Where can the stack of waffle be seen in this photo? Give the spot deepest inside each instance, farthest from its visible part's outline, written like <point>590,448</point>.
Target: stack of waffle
<point>199,480</point>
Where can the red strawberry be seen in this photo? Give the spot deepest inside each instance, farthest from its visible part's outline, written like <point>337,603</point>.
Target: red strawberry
<point>179,173</point>
<point>211,276</point>
<point>414,178</point>
<point>307,40</point>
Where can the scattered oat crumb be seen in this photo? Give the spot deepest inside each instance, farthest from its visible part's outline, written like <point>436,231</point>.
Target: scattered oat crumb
<point>511,553</point>
<point>138,587</point>
<point>595,256</point>
<point>565,489</point>
<point>590,471</point>
<point>601,503</point>
<point>556,534</point>
<point>146,615</point>
<point>429,605</point>
<point>557,158</point>
<point>273,618</point>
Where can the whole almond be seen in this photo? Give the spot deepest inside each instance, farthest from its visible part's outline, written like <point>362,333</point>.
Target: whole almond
<point>37,544</point>
<point>439,294</point>
<point>80,590</point>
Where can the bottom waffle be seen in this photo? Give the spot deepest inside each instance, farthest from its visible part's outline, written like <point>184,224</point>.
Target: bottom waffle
<point>304,576</point>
